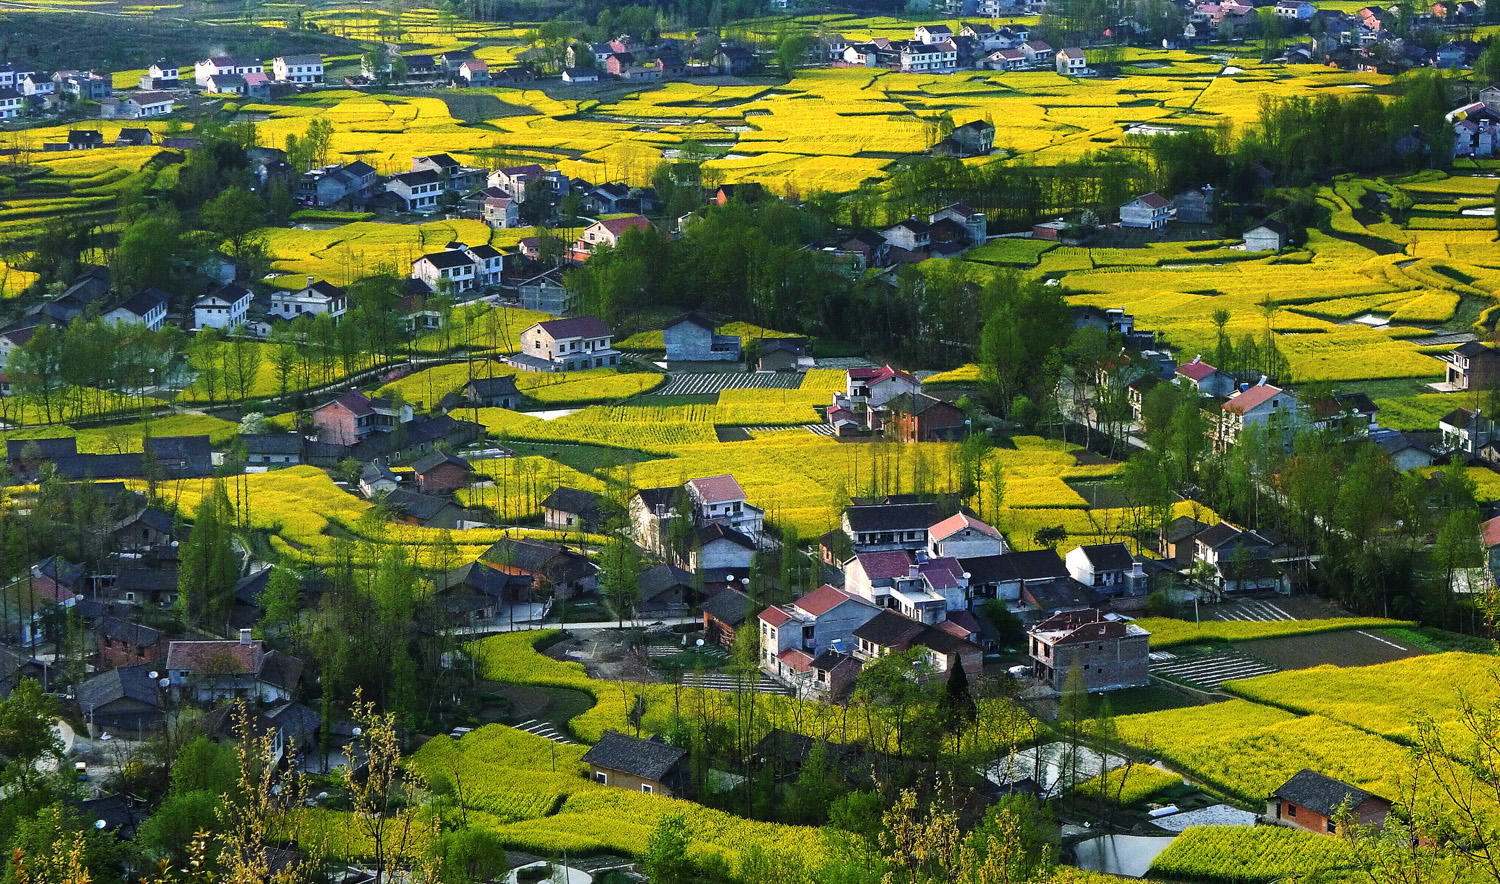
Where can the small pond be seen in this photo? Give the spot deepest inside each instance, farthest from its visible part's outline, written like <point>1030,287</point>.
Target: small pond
<point>1128,855</point>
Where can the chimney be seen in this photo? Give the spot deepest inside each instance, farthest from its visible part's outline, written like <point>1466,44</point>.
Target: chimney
<point>1261,382</point>
<point>245,636</point>
<point>310,282</point>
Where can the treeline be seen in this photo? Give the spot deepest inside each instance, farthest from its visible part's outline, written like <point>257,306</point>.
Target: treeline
<point>88,369</point>
<point>1384,542</point>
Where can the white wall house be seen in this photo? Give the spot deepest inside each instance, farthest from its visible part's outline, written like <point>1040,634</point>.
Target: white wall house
<point>570,344</point>
<point>225,64</point>
<point>223,308</point>
<point>305,69</point>
<point>1148,212</point>
<point>418,191</point>
<point>315,298</point>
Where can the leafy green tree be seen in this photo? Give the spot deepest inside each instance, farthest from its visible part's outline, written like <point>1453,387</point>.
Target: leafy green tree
<point>665,860</point>
<point>27,737</point>
<point>469,856</point>
<point>233,216</point>
<point>791,51</point>
<point>204,766</point>
<point>620,584</point>
<point>168,833</point>
<point>148,255</point>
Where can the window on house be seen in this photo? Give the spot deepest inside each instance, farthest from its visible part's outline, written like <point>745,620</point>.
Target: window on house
<point>601,777</point>
<point>646,788</point>
<point>1291,810</point>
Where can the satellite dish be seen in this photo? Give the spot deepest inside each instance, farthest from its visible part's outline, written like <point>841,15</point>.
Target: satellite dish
<point>967,575</point>
<point>100,824</point>
<point>153,675</point>
<point>700,642</point>
<point>357,731</point>
<point>164,682</point>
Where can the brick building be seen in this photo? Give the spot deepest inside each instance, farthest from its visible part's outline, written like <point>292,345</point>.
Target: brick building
<point>1110,653</point>
<point>1312,801</point>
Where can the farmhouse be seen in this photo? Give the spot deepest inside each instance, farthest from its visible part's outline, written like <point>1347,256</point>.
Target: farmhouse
<point>493,392</point>
<point>570,509</point>
<point>721,500</point>
<point>918,417</point>
<point>438,472</point>
<point>355,416</point>
<point>1311,801</point>
<point>691,337</point>
<point>314,299</point>
<point>1147,212</point>
<point>299,69</point>
<point>792,635</point>
<point>1107,567</point>
<point>1111,653</point>
<point>571,344</point>
<point>605,233</point>
<point>962,536</point>
<point>223,308</point>
<point>889,526</point>
<point>146,307</point>
<point>1261,405</point>
<point>888,632</point>
<point>649,766</point>
<point>417,191</point>
<point>1071,62</point>
<point>222,65</point>
<point>1269,236</point>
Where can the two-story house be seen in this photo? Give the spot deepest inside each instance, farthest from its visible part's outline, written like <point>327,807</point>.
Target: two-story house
<point>1473,366</point>
<point>354,416</point>
<point>1146,212</point>
<point>571,344</point>
<point>83,85</point>
<point>1071,62</point>
<point>501,212</point>
<point>456,177</point>
<point>721,499</point>
<point>943,646</point>
<point>1106,568</point>
<point>874,387</point>
<point>210,671</point>
<point>791,636</point>
<point>1111,653</point>
<point>222,308</point>
<point>1240,559</point>
<point>962,536</point>
<point>1204,378</point>
<point>452,268</point>
<point>889,526</point>
<point>933,58</point>
<point>605,234</point>
<point>922,589</point>
<point>515,179</point>
<point>146,307</point>
<point>306,70</point>
<point>314,299</point>
<point>162,74</point>
<point>225,64</point>
<point>1263,405</point>
<point>1464,431</point>
<point>417,191</point>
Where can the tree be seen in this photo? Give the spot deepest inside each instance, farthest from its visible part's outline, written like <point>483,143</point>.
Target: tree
<point>468,856</point>
<point>204,766</point>
<point>1487,66</point>
<point>209,566</point>
<point>147,256</point>
<point>620,585</point>
<point>665,860</point>
<point>233,216</point>
<point>281,600</point>
<point>791,51</point>
<point>382,794</point>
<point>27,736</point>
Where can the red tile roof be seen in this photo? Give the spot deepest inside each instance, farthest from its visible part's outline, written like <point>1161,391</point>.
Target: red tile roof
<point>799,660</point>
<point>1492,532</point>
<point>214,655</point>
<point>1251,398</point>
<point>1156,201</point>
<point>717,489</point>
<point>618,226</point>
<point>775,616</point>
<point>354,402</point>
<point>822,600</point>
<point>885,565</point>
<point>885,373</point>
<point>1197,369</point>
<point>958,522</point>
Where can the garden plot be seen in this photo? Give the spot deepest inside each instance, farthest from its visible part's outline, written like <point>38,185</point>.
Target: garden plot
<point>1208,671</point>
<point>704,383</point>
<point>1253,609</point>
<point>733,684</point>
